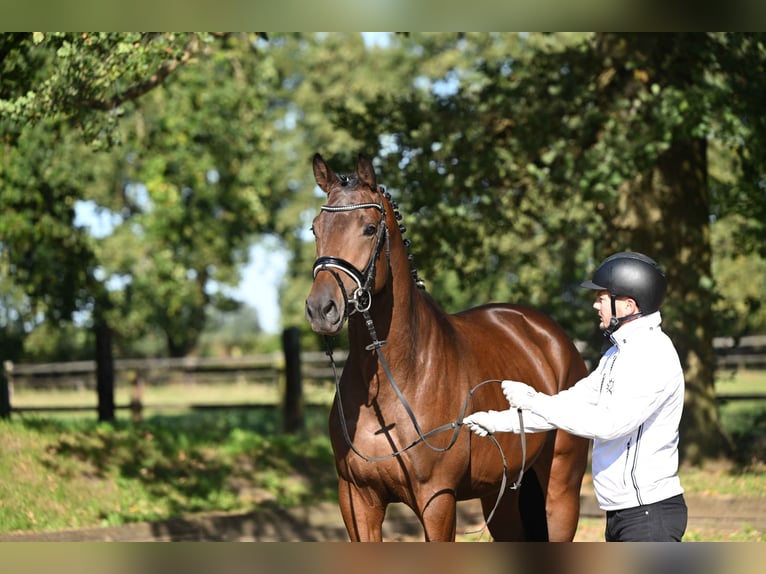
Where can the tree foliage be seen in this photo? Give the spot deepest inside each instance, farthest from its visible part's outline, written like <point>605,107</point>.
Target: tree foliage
<point>524,160</point>
<point>68,76</point>
<point>194,188</point>
<point>183,176</point>
<point>46,255</point>
<point>519,162</point>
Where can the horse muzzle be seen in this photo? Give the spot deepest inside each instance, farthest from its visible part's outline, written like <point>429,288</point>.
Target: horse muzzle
<point>326,312</point>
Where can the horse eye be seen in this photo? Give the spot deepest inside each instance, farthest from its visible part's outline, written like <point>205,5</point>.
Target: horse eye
<point>314,233</point>
<point>370,229</point>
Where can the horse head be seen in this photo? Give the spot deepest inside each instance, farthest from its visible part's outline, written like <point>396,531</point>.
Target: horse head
<point>351,235</point>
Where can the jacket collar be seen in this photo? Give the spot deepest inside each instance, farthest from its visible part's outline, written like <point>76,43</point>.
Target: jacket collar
<point>629,330</point>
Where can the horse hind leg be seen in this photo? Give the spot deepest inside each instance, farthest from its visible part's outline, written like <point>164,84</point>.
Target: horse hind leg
<point>547,505</point>
<point>532,508</point>
<point>561,468</point>
<point>569,464</point>
<point>521,514</point>
<point>504,524</point>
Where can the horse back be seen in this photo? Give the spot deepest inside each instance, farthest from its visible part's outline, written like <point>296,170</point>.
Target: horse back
<point>521,343</point>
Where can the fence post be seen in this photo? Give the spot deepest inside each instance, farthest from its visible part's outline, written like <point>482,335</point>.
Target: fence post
<point>5,394</point>
<point>137,395</point>
<point>104,372</point>
<point>293,404</point>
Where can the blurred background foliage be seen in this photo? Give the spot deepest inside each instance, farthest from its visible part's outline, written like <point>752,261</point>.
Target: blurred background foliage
<point>519,162</point>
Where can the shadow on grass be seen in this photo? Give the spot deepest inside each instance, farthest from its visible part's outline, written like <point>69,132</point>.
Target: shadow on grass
<point>200,461</point>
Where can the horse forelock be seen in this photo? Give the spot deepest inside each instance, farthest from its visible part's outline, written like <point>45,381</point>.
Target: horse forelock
<point>347,180</point>
<point>349,190</point>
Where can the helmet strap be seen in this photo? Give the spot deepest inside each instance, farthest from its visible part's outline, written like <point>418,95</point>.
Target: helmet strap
<point>614,322</point>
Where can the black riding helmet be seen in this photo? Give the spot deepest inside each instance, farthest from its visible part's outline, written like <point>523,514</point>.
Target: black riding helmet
<point>630,274</point>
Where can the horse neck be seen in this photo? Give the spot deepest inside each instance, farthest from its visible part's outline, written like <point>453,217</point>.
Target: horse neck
<point>394,310</point>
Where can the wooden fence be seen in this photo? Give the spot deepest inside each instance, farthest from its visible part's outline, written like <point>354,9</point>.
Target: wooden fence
<point>262,368</point>
<point>290,367</point>
<point>747,353</point>
<point>287,370</point>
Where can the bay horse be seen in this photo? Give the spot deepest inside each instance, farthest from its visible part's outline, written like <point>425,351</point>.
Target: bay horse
<point>412,373</point>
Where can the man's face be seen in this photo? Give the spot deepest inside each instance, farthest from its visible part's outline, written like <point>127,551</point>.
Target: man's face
<point>603,304</point>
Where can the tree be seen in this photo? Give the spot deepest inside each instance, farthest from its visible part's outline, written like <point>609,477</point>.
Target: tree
<point>72,88</point>
<point>194,186</point>
<point>186,186</point>
<point>60,94</point>
<point>526,159</point>
<point>42,250</point>
<point>69,76</point>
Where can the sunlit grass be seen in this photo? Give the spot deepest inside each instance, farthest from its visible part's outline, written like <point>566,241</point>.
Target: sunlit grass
<point>740,381</point>
<point>58,473</point>
<point>173,395</point>
<point>65,470</point>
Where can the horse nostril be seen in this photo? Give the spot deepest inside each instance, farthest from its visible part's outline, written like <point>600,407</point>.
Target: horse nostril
<point>329,309</point>
<point>323,310</point>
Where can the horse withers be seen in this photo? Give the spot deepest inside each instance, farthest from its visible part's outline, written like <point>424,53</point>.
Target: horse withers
<point>414,371</point>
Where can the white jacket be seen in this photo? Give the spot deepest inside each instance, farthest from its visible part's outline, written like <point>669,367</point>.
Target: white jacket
<point>630,405</point>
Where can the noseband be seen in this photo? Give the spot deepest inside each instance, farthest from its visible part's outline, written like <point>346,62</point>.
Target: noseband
<point>361,299</point>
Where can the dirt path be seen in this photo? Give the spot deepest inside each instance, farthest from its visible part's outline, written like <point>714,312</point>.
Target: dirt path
<point>323,523</point>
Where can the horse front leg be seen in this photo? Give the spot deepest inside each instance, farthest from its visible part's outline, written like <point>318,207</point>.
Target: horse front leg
<point>362,512</point>
<point>439,517</point>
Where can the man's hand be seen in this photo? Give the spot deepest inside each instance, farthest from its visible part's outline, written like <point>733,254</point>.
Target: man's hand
<point>484,423</point>
<point>480,422</point>
<point>519,395</point>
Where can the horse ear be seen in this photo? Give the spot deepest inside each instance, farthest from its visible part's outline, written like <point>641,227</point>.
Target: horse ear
<point>365,172</point>
<point>323,175</point>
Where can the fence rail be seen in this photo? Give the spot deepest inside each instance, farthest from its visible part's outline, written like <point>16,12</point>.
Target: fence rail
<point>269,367</point>
<point>748,352</point>
<point>287,371</point>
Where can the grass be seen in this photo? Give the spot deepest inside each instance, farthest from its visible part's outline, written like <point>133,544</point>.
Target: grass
<point>164,397</point>
<point>60,471</point>
<point>57,473</point>
<point>592,530</point>
<point>741,381</point>
<point>745,420</point>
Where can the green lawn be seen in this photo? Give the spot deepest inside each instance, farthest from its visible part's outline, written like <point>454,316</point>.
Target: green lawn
<point>67,471</point>
<point>745,420</point>
<point>172,396</point>
<point>741,382</point>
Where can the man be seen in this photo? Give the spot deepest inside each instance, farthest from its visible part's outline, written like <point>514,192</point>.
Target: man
<point>630,405</point>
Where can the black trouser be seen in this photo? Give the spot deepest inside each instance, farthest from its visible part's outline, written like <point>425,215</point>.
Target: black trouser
<point>663,521</point>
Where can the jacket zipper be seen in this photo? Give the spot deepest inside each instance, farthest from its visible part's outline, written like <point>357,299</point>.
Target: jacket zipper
<point>635,464</point>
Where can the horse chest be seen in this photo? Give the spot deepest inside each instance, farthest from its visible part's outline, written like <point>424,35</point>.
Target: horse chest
<point>375,437</point>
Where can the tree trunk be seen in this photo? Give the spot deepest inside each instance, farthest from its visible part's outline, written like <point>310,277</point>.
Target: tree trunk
<point>665,214</point>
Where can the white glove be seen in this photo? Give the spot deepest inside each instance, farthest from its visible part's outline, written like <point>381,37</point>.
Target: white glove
<point>519,395</point>
<point>490,422</point>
